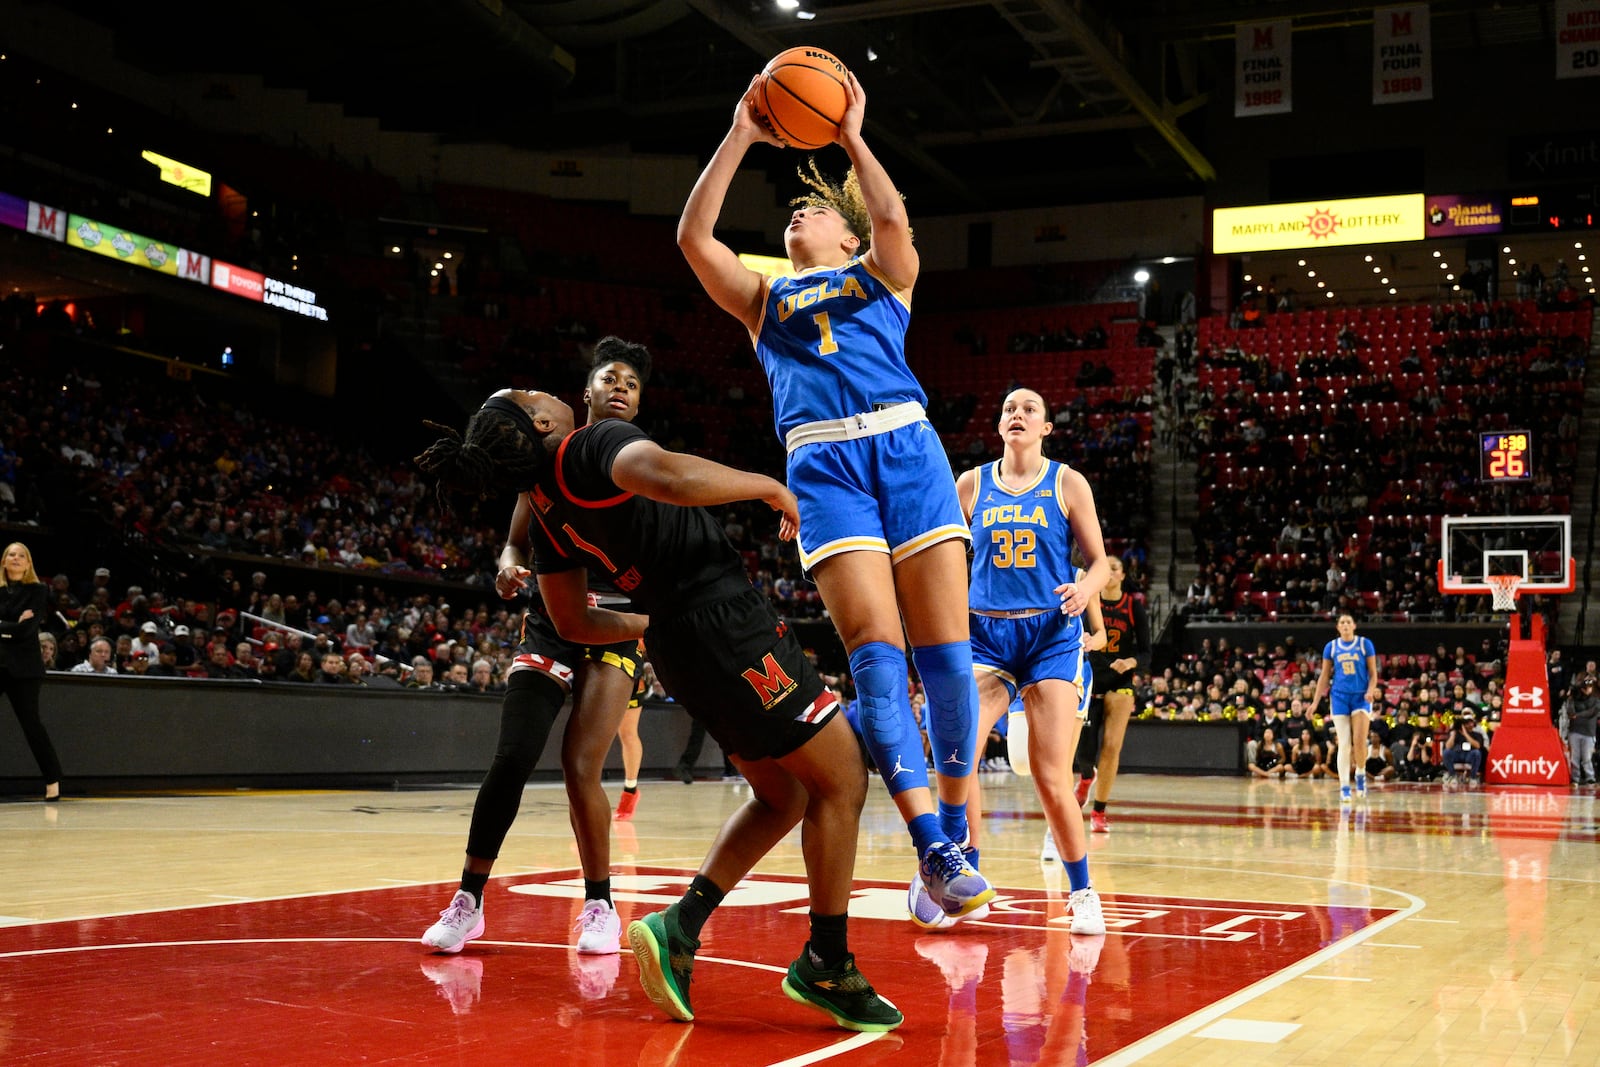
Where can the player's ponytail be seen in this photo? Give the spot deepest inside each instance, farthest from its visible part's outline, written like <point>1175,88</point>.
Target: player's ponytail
<point>496,455</point>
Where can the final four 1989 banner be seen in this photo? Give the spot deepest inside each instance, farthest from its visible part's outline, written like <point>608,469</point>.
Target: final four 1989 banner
<point>1402,54</point>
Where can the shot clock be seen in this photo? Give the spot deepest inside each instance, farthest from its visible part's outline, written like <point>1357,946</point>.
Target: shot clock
<point>1505,455</point>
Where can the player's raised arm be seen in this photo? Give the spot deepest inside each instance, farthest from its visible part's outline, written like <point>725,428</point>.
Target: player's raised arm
<point>731,285</point>
<point>891,251</point>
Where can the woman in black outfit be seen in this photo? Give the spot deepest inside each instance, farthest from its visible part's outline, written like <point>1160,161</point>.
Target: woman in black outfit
<point>23,602</point>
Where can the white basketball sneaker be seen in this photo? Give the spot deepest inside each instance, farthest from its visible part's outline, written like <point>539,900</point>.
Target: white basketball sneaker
<point>1049,853</point>
<point>459,923</point>
<point>1086,915</point>
<point>601,929</point>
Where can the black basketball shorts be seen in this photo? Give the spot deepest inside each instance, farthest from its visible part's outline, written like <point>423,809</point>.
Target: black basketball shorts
<point>736,667</point>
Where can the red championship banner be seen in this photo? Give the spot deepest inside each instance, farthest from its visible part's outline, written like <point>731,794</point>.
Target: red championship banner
<point>1577,38</point>
<point>1526,749</point>
<point>1402,54</point>
<point>1261,84</point>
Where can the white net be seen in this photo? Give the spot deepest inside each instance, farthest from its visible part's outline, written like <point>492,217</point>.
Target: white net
<point>1504,589</point>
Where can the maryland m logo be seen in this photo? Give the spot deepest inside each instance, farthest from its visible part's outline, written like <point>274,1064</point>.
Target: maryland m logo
<point>769,681</point>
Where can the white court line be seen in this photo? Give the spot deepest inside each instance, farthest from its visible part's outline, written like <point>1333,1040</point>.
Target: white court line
<point>838,1048</point>
<point>204,943</point>
<point>1452,922</point>
<point>285,896</point>
<point>1385,944</point>
<point>1335,978</point>
<point>1211,1013</point>
<point>849,1044</point>
<point>1262,1033</point>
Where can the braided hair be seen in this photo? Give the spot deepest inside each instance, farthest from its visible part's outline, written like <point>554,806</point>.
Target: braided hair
<point>498,454</point>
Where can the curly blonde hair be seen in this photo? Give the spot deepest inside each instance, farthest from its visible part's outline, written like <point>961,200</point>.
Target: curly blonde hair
<point>843,197</point>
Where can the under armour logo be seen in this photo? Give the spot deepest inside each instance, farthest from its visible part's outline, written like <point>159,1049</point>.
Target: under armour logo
<point>956,759</point>
<point>1518,697</point>
<point>898,767</point>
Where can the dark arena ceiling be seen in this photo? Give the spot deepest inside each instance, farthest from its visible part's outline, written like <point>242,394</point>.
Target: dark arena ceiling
<point>975,105</point>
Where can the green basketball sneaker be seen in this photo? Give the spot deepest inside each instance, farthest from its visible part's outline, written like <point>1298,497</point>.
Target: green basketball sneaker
<point>843,992</point>
<point>666,961</point>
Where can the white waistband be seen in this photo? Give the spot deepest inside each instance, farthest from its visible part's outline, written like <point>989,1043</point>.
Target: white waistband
<point>866,424</point>
<point>1020,613</point>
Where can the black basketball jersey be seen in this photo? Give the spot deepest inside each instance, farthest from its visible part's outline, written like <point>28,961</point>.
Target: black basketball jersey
<point>1127,633</point>
<point>666,558</point>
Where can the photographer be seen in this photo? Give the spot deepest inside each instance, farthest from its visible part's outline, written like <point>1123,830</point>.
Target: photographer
<point>1419,764</point>
<point>1465,746</point>
<point>1581,712</point>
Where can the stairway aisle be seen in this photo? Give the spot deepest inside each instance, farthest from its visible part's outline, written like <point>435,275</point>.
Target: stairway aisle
<point>1172,564</point>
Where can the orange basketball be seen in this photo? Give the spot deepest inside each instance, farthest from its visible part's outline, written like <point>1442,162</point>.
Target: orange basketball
<point>800,97</point>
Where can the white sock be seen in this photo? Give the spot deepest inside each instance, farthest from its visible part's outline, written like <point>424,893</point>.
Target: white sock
<point>1341,728</point>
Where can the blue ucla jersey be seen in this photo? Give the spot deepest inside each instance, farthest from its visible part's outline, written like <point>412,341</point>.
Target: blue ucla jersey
<point>1350,673</point>
<point>1021,543</point>
<point>833,341</point>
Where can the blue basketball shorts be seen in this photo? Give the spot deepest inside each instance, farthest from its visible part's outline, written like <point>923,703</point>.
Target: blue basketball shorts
<point>1345,703</point>
<point>892,492</point>
<point>1022,652</point>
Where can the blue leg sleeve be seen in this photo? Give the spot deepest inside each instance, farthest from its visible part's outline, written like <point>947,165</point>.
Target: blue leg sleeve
<point>887,724</point>
<point>952,691</point>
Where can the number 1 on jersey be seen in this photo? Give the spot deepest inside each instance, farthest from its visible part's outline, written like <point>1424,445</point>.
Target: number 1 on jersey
<point>826,346</point>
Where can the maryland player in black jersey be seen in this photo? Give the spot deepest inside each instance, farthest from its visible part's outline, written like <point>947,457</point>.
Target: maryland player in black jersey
<point>1127,650</point>
<point>603,680</point>
<point>607,498</point>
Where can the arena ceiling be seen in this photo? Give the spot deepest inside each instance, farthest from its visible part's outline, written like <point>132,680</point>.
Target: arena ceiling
<point>973,104</point>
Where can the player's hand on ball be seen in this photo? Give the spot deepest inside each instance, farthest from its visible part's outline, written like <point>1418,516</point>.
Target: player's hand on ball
<point>511,581</point>
<point>855,109</point>
<point>747,119</point>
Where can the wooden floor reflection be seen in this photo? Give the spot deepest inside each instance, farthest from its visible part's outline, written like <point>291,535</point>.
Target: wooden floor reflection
<point>1251,922</point>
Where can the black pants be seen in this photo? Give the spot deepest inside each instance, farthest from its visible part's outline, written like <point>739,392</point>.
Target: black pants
<point>24,694</point>
<point>527,712</point>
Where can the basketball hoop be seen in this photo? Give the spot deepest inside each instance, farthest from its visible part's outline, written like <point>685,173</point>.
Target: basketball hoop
<point>1504,589</point>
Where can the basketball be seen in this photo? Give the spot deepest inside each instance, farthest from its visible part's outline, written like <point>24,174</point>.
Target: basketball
<point>800,97</point>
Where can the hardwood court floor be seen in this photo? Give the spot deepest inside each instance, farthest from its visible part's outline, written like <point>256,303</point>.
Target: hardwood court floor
<point>1251,923</point>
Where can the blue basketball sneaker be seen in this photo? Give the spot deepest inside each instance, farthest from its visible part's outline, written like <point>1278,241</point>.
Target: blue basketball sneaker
<point>926,912</point>
<point>952,882</point>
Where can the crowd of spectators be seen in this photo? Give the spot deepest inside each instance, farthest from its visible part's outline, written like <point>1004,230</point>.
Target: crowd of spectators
<point>248,631</point>
<point>1428,698</point>
<point>165,464</point>
<point>1321,474</point>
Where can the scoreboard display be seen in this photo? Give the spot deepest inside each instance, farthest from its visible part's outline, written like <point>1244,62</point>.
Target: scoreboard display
<point>1505,456</point>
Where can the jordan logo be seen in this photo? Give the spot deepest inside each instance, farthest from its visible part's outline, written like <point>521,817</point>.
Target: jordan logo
<point>955,758</point>
<point>898,767</point>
